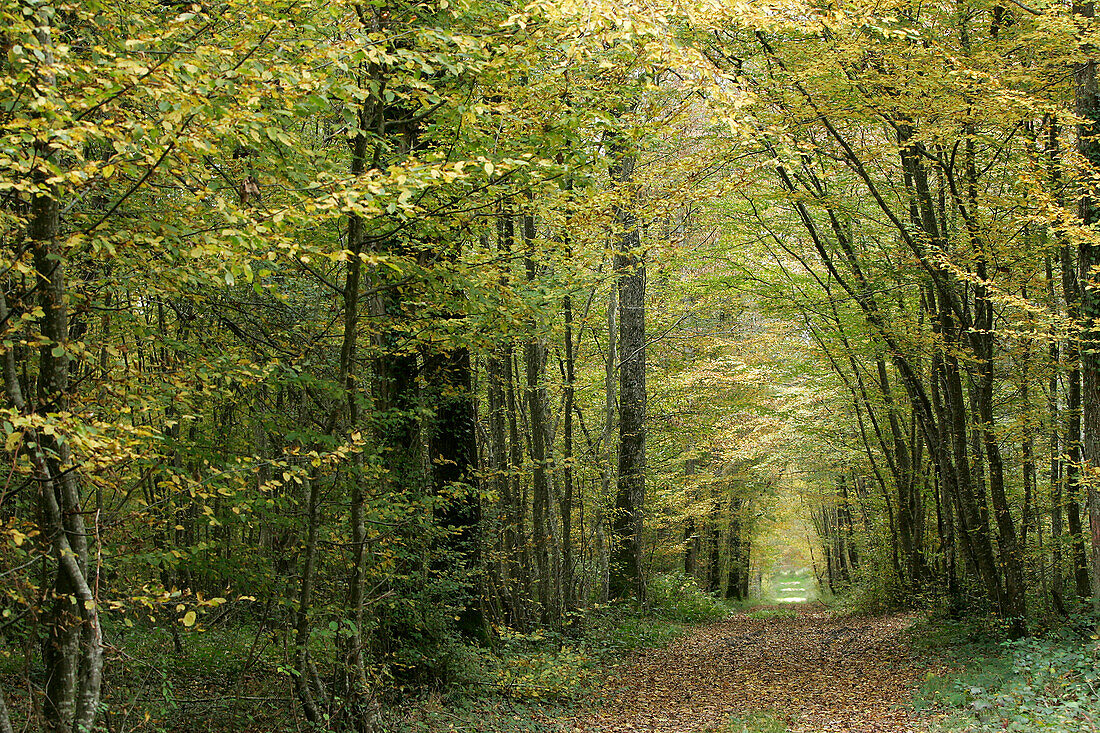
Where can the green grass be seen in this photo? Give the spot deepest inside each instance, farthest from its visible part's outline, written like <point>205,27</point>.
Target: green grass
<point>768,614</point>
<point>792,586</point>
<point>761,721</point>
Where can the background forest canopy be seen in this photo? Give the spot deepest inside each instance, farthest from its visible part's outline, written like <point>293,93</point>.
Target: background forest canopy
<point>367,331</point>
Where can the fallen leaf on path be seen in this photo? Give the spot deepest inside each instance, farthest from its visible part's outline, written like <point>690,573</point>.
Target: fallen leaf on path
<point>817,672</point>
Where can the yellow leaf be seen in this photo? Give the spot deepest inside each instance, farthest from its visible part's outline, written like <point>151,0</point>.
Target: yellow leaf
<point>189,619</point>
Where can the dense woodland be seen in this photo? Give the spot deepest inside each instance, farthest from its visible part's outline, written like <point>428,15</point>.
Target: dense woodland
<point>373,330</point>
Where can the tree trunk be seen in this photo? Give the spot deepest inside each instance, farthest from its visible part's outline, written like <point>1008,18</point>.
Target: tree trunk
<point>737,573</point>
<point>691,540</point>
<point>714,559</point>
<point>626,573</point>
<point>353,685</point>
<point>608,473</point>
<point>453,447</point>
<point>1072,465</point>
<point>1056,447</point>
<point>73,649</point>
<point>505,549</point>
<point>518,519</point>
<point>1088,109</point>
<point>541,521</point>
<point>567,463</point>
<point>310,695</point>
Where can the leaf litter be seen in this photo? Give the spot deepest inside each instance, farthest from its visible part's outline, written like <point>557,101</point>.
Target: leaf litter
<point>815,672</point>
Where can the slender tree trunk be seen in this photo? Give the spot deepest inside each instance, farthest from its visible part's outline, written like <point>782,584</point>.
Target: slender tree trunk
<point>1027,452</point>
<point>518,520</point>
<point>541,520</point>
<point>626,572</point>
<point>504,437</point>
<point>73,649</point>
<point>309,695</point>
<point>608,473</point>
<point>691,540</point>
<point>1056,472</point>
<point>535,360</point>
<point>848,526</point>
<point>1088,145</point>
<point>1073,432</point>
<point>505,538</point>
<point>361,710</point>
<point>567,463</point>
<point>713,531</point>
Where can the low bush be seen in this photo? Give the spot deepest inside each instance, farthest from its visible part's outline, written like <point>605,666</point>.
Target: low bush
<point>1035,684</point>
<point>677,597</point>
<point>553,675</point>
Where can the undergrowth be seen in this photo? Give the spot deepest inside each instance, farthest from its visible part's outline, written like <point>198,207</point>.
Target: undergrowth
<point>1035,684</point>
<point>676,597</point>
<point>524,682</point>
<point>535,677</point>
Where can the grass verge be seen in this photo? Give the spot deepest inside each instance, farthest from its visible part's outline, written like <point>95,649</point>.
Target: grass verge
<point>1047,683</point>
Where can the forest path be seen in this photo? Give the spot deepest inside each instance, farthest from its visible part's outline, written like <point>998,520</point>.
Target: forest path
<point>815,672</point>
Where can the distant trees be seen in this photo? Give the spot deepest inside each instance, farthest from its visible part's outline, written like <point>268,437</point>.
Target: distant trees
<point>923,208</point>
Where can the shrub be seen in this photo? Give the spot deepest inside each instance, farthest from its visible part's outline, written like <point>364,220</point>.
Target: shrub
<point>1026,685</point>
<point>676,597</point>
<point>561,675</point>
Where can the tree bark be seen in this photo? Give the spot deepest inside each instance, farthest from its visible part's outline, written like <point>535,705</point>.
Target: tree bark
<point>73,650</point>
<point>567,462</point>
<point>626,573</point>
<point>714,543</point>
<point>1088,109</point>
<point>691,539</point>
<point>610,409</point>
<point>453,447</point>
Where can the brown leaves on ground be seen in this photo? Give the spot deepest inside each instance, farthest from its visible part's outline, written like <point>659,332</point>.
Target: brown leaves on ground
<point>815,672</point>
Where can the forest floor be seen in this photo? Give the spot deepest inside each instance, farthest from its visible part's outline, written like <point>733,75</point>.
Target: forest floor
<point>798,667</point>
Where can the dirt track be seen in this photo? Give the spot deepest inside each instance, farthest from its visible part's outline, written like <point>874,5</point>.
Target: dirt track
<point>816,672</point>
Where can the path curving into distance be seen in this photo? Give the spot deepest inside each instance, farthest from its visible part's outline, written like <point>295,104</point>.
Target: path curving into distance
<point>816,672</point>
